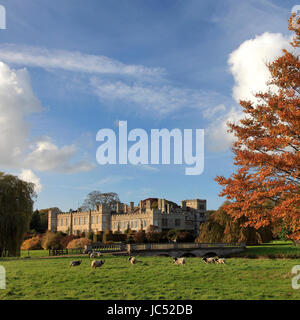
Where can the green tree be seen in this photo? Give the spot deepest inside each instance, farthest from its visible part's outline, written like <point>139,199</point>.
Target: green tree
<point>223,228</point>
<point>16,206</point>
<point>35,222</point>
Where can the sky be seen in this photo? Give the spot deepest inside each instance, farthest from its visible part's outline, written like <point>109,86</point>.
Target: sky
<point>70,68</point>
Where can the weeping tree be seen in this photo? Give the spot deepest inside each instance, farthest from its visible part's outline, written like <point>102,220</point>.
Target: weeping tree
<point>223,228</point>
<point>16,206</point>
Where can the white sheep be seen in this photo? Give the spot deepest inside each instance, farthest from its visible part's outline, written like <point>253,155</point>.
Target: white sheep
<point>209,260</point>
<point>220,261</point>
<point>179,261</point>
<point>93,255</point>
<point>97,263</point>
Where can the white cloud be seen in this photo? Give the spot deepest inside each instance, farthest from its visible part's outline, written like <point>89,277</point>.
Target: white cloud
<point>248,63</point>
<point>248,67</point>
<point>46,156</point>
<point>71,61</point>
<point>28,176</point>
<point>161,99</point>
<point>218,139</point>
<point>211,112</point>
<point>17,101</point>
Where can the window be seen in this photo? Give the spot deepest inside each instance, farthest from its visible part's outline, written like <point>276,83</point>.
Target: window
<point>79,221</point>
<point>85,220</point>
<point>75,221</point>
<point>177,222</point>
<point>145,223</point>
<point>97,219</point>
<point>92,219</point>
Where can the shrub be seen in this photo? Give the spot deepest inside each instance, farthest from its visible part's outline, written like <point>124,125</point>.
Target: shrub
<point>90,235</point>
<point>173,234</point>
<point>52,240</point>
<point>155,236</point>
<point>107,236</point>
<point>65,240</point>
<point>34,243</point>
<point>185,236</point>
<point>97,237</point>
<point>119,237</point>
<point>78,243</point>
<point>140,237</point>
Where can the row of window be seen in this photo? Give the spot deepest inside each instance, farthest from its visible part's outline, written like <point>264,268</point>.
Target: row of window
<point>77,221</point>
<point>130,224</point>
<point>116,225</point>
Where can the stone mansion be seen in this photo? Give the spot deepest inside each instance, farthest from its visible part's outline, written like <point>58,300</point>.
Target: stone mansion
<point>161,213</point>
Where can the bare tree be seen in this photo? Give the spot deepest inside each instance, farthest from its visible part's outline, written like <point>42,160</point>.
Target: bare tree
<point>95,198</point>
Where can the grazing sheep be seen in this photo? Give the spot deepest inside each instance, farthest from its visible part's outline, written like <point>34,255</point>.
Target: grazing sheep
<point>93,255</point>
<point>133,260</point>
<point>75,263</point>
<point>179,261</point>
<point>209,260</point>
<point>97,263</point>
<point>220,261</point>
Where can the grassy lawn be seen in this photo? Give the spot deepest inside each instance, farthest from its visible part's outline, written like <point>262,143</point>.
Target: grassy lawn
<point>275,248</point>
<point>154,278</point>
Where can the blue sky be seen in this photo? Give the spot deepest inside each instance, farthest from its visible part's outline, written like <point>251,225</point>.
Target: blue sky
<point>71,68</point>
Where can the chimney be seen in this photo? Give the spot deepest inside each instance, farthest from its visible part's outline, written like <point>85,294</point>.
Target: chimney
<point>119,207</point>
<point>168,207</point>
<point>132,207</point>
<point>183,205</point>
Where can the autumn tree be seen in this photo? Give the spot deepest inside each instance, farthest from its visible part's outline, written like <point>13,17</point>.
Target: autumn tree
<point>266,186</point>
<point>16,206</point>
<point>95,198</point>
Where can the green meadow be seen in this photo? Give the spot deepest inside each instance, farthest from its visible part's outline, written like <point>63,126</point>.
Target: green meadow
<point>153,278</point>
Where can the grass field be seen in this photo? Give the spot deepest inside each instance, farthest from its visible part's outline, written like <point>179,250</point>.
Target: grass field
<point>154,278</point>
<point>275,248</point>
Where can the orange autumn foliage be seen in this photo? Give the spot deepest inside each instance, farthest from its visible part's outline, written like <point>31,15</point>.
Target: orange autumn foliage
<point>266,187</point>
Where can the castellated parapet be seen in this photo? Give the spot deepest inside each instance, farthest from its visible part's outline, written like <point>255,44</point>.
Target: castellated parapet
<point>160,213</point>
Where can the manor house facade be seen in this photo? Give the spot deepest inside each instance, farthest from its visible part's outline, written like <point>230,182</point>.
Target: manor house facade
<point>160,213</point>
